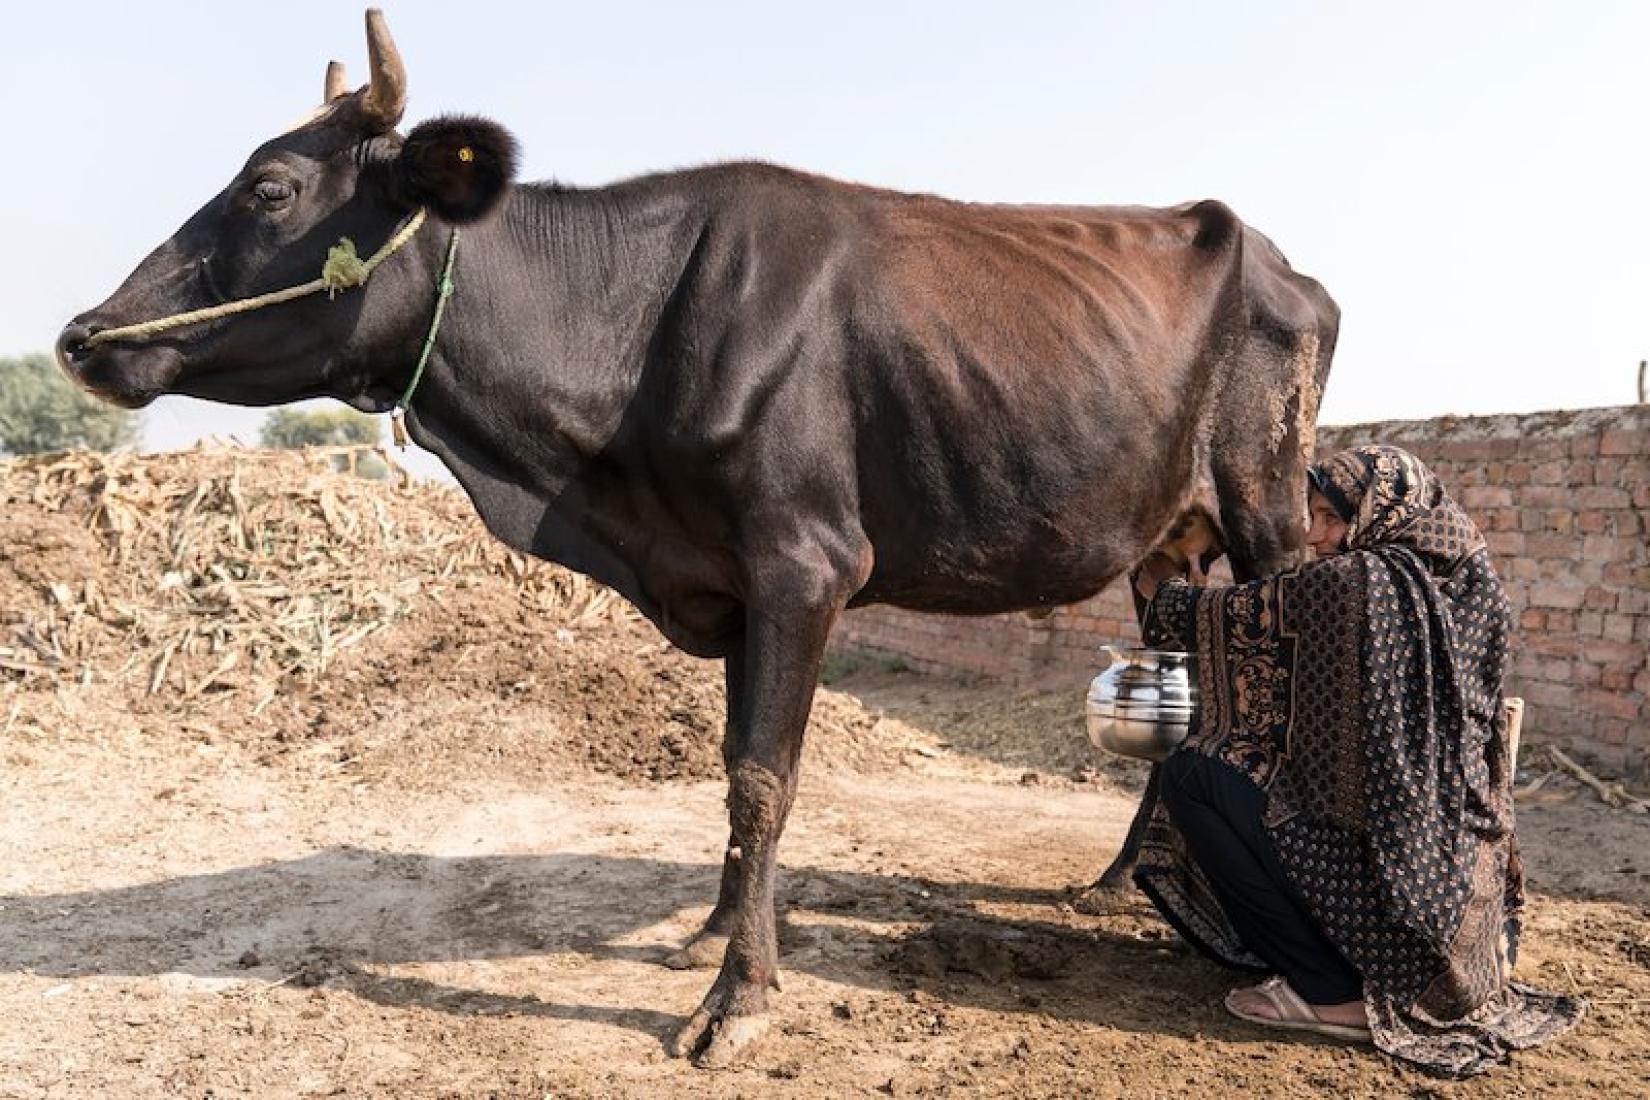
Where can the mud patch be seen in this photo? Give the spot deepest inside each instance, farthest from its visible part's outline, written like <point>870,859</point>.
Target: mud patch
<point>994,952</point>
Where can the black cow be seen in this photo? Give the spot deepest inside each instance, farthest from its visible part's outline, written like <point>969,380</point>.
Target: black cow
<point>747,397</point>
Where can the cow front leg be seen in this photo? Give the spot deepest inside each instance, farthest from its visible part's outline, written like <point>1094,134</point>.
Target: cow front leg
<point>708,946</point>
<point>783,648</point>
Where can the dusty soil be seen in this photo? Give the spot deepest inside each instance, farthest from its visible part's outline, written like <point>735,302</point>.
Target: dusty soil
<point>446,859</point>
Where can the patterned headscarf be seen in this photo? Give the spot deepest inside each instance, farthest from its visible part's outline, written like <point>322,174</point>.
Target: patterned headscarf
<point>1388,497</point>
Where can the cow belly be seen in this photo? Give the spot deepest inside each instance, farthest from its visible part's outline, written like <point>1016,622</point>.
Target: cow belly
<point>1047,571</point>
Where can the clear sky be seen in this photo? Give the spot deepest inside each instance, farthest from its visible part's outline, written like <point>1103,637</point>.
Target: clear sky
<point>1469,179</point>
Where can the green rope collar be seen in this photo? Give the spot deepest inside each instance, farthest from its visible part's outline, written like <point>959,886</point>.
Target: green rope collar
<point>342,270</point>
<point>443,291</point>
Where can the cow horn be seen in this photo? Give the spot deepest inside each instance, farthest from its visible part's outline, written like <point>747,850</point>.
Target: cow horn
<point>335,82</point>
<point>386,96</point>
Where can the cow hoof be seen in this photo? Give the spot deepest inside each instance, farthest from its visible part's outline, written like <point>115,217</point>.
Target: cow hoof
<point>702,952</point>
<point>727,1025</point>
<point>731,1040</point>
<point>1102,900</point>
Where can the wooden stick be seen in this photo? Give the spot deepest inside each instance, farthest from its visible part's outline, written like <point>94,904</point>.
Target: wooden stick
<point>1611,794</point>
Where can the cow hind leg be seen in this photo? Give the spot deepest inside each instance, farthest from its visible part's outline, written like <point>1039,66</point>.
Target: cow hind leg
<point>1113,883</point>
<point>707,947</point>
<point>783,648</point>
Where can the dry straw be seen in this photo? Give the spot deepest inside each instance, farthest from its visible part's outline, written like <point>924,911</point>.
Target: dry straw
<point>226,570</point>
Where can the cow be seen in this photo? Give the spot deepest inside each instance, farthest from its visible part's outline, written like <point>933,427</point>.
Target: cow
<point>747,397</point>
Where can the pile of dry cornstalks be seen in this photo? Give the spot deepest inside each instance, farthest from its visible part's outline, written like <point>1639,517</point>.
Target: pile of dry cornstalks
<point>226,569</point>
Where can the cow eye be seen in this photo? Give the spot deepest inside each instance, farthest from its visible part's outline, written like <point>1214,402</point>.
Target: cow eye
<point>273,191</point>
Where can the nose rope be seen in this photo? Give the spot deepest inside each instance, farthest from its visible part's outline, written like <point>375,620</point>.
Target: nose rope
<point>342,270</point>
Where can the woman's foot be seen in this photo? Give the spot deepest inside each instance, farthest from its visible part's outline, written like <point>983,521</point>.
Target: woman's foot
<point>1273,1003</point>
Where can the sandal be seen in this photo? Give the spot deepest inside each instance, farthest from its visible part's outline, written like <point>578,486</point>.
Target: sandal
<point>1294,1014</point>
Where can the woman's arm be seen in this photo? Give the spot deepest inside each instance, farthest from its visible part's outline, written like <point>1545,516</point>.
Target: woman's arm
<point>1164,603</point>
<point>1151,573</point>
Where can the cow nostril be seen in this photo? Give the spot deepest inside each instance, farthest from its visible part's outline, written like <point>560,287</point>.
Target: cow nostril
<point>71,343</point>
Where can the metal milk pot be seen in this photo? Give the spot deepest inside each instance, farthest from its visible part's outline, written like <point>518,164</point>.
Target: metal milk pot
<point>1142,703</point>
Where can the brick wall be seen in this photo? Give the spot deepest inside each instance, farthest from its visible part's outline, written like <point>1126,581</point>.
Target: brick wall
<point>1563,499</point>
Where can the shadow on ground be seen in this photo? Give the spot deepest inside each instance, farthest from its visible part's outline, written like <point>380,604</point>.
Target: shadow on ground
<point>344,915</point>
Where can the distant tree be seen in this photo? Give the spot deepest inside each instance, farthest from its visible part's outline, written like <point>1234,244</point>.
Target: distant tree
<point>41,410</point>
<point>289,429</point>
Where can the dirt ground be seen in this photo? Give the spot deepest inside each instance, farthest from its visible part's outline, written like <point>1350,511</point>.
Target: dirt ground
<point>449,863</point>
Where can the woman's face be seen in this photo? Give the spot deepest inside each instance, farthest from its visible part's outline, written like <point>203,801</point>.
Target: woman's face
<point>1326,530</point>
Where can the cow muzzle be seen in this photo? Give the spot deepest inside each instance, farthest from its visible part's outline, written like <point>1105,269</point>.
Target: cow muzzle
<point>128,377</point>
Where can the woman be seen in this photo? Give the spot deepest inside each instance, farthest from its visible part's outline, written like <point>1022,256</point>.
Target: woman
<point>1342,813</point>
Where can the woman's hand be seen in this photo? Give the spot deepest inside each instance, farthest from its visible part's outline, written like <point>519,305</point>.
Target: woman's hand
<point>1154,570</point>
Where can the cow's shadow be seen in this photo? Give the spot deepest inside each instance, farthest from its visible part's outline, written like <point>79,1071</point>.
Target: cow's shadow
<point>348,916</point>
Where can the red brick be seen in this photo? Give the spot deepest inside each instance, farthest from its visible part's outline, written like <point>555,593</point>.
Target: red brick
<point>1551,669</point>
<point>1543,450</point>
<point>1583,574</point>
<point>1466,450</point>
<point>1548,545</point>
<point>1613,704</point>
<point>1584,446</point>
<point>1551,473</point>
<point>1590,624</point>
<point>1516,473</point>
<point>1552,721</point>
<point>1475,497</point>
<point>1593,522</point>
<point>1610,548</point>
<point>1616,679</point>
<point>1600,599</point>
<point>1618,628</point>
<point>1554,595</point>
<point>1544,694</point>
<point>1505,543</point>
<point>1561,622</point>
<point>1612,653</point>
<point>1553,645</point>
<point>1544,496</point>
<point>1601,496</point>
<point>1619,573</point>
<point>1585,675</point>
<point>1616,441</point>
<point>1633,471</point>
<point>1612,731</point>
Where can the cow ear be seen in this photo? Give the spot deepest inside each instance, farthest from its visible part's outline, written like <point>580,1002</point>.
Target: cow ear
<point>457,167</point>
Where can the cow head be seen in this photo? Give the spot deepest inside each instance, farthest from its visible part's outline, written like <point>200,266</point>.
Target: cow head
<point>343,172</point>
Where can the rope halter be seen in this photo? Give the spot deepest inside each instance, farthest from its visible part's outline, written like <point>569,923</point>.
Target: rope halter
<point>343,270</point>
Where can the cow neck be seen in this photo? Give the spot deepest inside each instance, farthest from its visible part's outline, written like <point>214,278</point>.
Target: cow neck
<point>575,279</point>
<point>443,291</point>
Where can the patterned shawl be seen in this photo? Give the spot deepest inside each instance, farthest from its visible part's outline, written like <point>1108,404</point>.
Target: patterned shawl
<point>1362,693</point>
